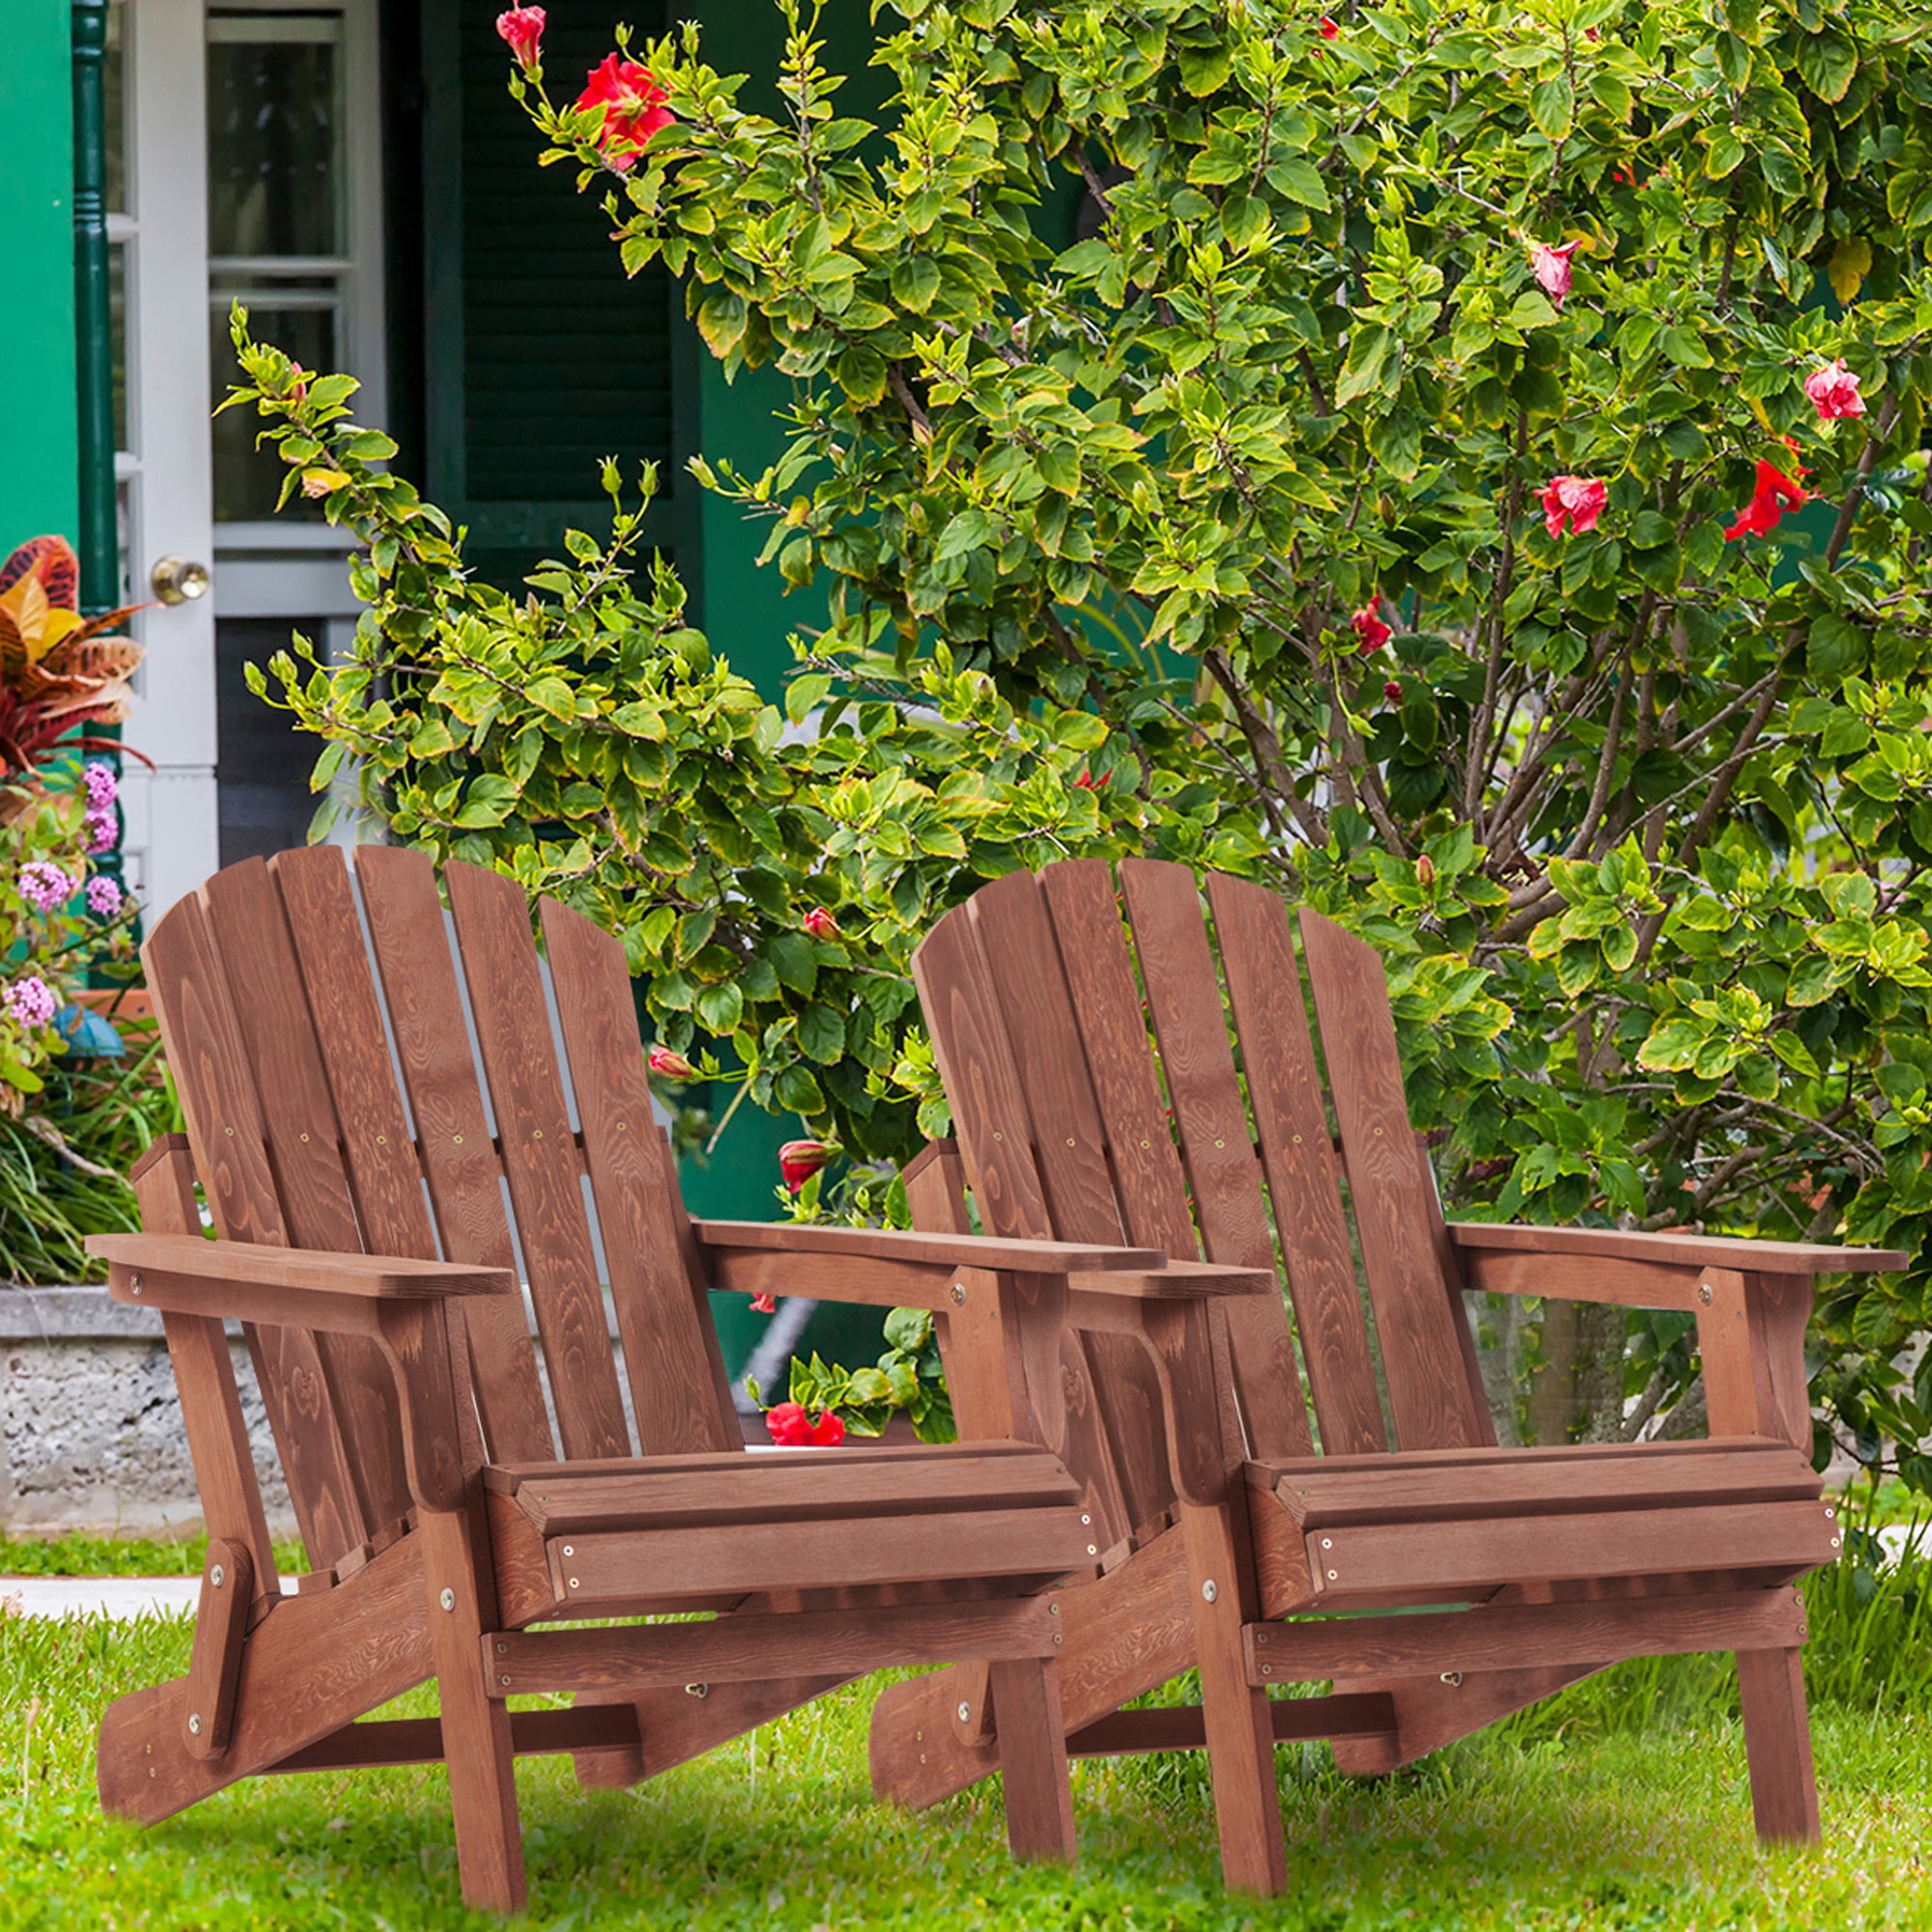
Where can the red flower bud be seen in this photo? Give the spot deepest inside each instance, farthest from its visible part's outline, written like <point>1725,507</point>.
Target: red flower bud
<point>1392,691</point>
<point>821,925</point>
<point>672,1065</point>
<point>1425,871</point>
<point>799,1161</point>
<point>763,1304</point>
<point>522,28</point>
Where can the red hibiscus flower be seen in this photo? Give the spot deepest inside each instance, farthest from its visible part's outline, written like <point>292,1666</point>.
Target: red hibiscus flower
<point>672,1065</point>
<point>522,28</point>
<point>1771,496</point>
<point>633,105</point>
<point>1368,626</point>
<point>799,1161</point>
<point>1835,392</point>
<point>1573,504</point>
<point>1551,269</point>
<point>791,1429</point>
<point>1327,29</point>
<point>821,925</point>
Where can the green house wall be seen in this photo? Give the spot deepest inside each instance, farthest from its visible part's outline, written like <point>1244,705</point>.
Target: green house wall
<point>39,479</point>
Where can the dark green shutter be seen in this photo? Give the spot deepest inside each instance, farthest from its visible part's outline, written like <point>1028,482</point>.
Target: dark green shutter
<point>540,357</point>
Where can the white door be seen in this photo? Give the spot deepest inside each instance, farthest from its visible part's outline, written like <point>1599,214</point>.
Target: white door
<point>252,171</point>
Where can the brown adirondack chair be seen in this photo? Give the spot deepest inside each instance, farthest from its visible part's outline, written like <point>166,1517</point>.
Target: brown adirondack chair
<point>365,1244</point>
<point>1569,1558</point>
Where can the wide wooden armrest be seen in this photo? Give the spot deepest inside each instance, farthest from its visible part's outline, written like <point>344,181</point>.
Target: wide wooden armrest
<point>1638,1270</point>
<point>395,1301</point>
<point>188,1257</point>
<point>1177,1280</point>
<point>936,1251</point>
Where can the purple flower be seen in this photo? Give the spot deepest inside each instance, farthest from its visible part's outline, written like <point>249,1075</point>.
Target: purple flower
<point>104,829</point>
<point>45,886</point>
<point>104,897</point>
<point>31,1001</point>
<point>103,786</point>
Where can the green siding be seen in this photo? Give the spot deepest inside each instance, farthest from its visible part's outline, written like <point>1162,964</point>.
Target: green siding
<point>38,482</point>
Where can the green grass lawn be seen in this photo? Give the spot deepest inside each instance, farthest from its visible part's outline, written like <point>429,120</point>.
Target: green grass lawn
<point>1623,1803</point>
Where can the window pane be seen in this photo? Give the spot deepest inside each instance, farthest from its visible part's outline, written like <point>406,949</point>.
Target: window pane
<point>114,91</point>
<point>248,480</point>
<point>275,134</point>
<point>262,759</point>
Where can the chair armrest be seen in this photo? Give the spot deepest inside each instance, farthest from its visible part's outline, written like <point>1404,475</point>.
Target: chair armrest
<point>398,1303</point>
<point>1665,1249</point>
<point>937,1251</point>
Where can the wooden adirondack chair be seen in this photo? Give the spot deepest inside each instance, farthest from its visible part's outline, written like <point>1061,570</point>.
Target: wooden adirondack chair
<point>448,1496</point>
<point>1572,1557</point>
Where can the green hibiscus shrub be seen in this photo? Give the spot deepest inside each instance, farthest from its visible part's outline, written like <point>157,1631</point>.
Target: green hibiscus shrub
<point>1472,459</point>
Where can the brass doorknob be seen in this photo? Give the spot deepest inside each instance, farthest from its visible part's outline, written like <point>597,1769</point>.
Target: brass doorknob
<point>177,581</point>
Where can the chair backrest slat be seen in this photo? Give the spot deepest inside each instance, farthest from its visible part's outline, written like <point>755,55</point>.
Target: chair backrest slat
<point>246,919</point>
<point>1140,1139</point>
<point>1024,968</point>
<point>222,1110</point>
<point>1391,1192</point>
<point>1292,1127</point>
<point>540,1158</point>
<point>665,1335</point>
<point>410,936</point>
<point>1216,1141</point>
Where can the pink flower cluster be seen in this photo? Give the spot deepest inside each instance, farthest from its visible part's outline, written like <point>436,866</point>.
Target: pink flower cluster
<point>103,787</point>
<point>45,886</point>
<point>31,1001</point>
<point>104,897</point>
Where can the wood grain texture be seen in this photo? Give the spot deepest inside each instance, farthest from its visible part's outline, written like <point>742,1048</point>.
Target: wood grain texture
<point>1452,1556</point>
<point>595,1569</point>
<point>1572,1277</point>
<point>1498,1637</point>
<point>982,1084</point>
<point>1183,1726</point>
<point>1689,1251</point>
<point>1416,1323</point>
<point>1032,1728</point>
<point>378,1742</point>
<point>971,1347</point>
<point>221,1628</point>
<point>1183,994</point>
<point>747,1647</point>
<point>411,939</point>
<point>1777,1308</point>
<point>796,1486</point>
<point>916,1248</point>
<point>311,1666</point>
<point>217,1436</point>
<point>506,996</point>
<point>1778,1744</point>
<point>365,1277</point>
<point>245,917</point>
<point>1292,1130</point>
<point>1235,1713</point>
<point>665,1336</point>
<point>1660,1476</point>
<point>208,1057</point>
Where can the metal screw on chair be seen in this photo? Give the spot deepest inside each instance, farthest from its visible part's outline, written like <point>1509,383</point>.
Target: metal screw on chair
<point>1452,1678</point>
<point>965,1712</point>
<point>448,1600</point>
<point>194,1723</point>
<point>217,1576</point>
<point>1209,1592</point>
<point>1704,1292</point>
<point>135,1284</point>
<point>959,1294</point>
<point>1327,1542</point>
<point>697,1689</point>
<point>1085,1521</point>
<point>503,1650</point>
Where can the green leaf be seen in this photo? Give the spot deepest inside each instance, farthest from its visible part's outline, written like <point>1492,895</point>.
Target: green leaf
<point>795,960</point>
<point>915,282</point>
<point>1299,180</point>
<point>720,1007</point>
<point>1552,106</point>
<point>1829,63</point>
<point>821,1034</point>
<point>722,319</point>
<point>1725,153</point>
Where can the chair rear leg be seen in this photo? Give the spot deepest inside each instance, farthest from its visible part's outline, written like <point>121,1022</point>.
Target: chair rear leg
<point>475,1726</point>
<point>1033,1756</point>
<point>1778,1743</point>
<point>1240,1739</point>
